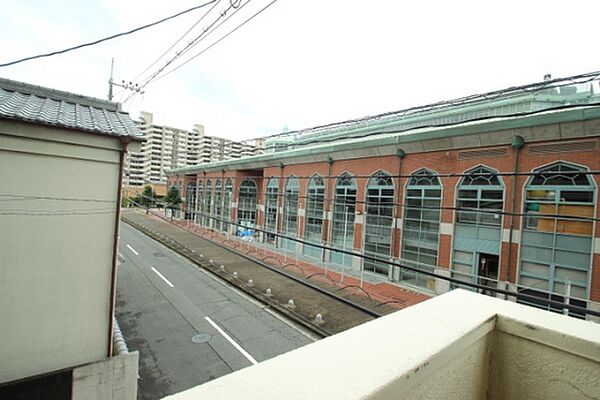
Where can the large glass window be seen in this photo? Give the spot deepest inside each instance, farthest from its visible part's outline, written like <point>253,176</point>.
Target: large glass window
<point>421,228</point>
<point>190,200</point>
<point>379,221</point>
<point>482,190</point>
<point>313,220</point>
<point>208,204</point>
<point>200,203</point>
<point>478,228</point>
<point>246,213</point>
<point>227,204</point>
<point>271,209</point>
<point>290,212</point>
<point>219,204</point>
<point>344,209</point>
<point>556,241</point>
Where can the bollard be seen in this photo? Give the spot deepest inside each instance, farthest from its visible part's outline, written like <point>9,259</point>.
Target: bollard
<point>201,255</point>
<point>235,275</point>
<point>269,292</point>
<point>222,267</point>
<point>210,261</point>
<point>250,283</point>
<point>318,319</point>
<point>290,304</point>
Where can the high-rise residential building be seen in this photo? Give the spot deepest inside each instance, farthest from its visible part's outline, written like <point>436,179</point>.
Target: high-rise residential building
<point>166,148</point>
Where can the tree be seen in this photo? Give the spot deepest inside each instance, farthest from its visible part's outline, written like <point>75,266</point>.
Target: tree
<point>173,199</point>
<point>147,197</point>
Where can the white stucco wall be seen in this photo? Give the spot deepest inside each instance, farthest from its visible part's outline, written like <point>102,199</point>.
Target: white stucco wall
<point>55,273</point>
<point>524,369</point>
<point>460,345</point>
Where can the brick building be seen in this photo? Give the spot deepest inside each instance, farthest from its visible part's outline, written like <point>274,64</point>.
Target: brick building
<point>439,195</point>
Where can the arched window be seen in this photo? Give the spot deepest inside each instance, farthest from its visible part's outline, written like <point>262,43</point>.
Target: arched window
<point>190,200</point>
<point>379,221</point>
<point>482,190</point>
<point>421,228</point>
<point>208,204</point>
<point>556,239</point>
<point>271,207</point>
<point>219,204</point>
<point>248,193</point>
<point>200,203</point>
<point>227,204</point>
<point>313,220</point>
<point>290,212</point>
<point>478,228</point>
<point>344,209</point>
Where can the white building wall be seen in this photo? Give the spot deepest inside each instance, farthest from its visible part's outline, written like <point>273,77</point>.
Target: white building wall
<point>55,274</point>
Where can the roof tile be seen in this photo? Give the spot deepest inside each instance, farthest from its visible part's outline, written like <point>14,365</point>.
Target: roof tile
<point>23,102</point>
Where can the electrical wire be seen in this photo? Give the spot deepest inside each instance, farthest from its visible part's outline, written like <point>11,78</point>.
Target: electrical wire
<point>178,54</point>
<point>218,41</point>
<point>518,295</point>
<point>391,205</point>
<point>53,213</point>
<point>108,37</point>
<point>410,175</point>
<point>18,197</point>
<point>216,2</point>
<point>492,95</point>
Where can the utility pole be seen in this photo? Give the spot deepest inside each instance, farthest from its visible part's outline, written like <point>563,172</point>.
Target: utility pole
<point>127,86</point>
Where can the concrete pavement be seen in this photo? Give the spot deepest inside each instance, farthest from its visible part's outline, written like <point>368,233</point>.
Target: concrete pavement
<point>164,302</point>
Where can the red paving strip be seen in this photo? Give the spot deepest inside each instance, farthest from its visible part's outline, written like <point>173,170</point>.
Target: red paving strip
<point>390,294</point>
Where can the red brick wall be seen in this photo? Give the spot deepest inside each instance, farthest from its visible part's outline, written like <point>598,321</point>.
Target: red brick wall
<point>443,162</point>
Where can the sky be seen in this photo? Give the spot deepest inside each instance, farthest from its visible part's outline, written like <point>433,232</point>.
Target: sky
<point>300,63</point>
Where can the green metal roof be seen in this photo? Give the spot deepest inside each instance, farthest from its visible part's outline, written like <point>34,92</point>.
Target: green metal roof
<point>396,139</point>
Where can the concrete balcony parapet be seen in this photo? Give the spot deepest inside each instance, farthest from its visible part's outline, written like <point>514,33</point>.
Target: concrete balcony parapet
<point>460,345</point>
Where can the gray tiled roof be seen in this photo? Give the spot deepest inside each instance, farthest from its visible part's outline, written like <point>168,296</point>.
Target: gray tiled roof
<point>24,102</point>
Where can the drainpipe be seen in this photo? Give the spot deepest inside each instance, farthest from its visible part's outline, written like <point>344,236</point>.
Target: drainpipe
<point>280,195</point>
<point>401,155</point>
<point>328,193</point>
<point>517,143</point>
<point>113,281</point>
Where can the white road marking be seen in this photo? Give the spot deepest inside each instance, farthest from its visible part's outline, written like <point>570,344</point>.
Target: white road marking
<point>233,342</point>
<point>132,249</point>
<point>162,277</point>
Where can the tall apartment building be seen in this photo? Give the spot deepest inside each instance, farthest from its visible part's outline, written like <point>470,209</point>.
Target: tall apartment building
<point>166,148</point>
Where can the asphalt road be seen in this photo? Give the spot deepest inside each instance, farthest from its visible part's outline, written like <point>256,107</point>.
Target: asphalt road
<point>188,327</point>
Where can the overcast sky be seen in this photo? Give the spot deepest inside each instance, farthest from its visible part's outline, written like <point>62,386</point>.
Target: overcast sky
<point>301,62</point>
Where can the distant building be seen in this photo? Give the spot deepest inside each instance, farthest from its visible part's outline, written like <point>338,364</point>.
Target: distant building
<point>432,188</point>
<point>168,148</point>
<point>61,160</point>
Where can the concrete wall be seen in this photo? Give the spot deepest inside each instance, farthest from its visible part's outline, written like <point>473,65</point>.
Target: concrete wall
<point>434,350</point>
<point>521,368</point>
<point>112,379</point>
<point>55,275</point>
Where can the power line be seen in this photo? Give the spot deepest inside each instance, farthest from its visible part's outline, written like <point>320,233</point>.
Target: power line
<point>217,41</point>
<point>106,38</point>
<point>53,213</point>
<point>411,175</point>
<point>216,2</point>
<point>492,95</point>
<point>192,43</point>
<point>389,205</point>
<point>18,197</point>
<point>518,295</point>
